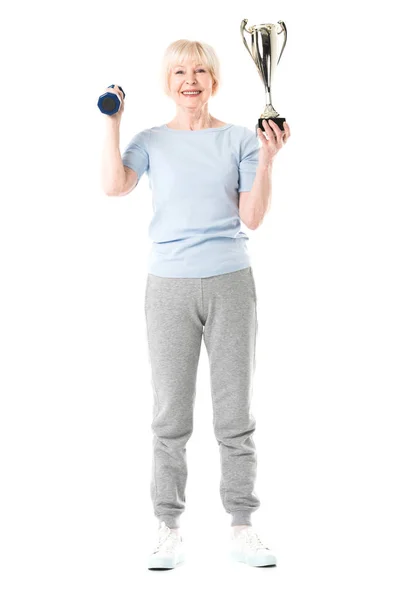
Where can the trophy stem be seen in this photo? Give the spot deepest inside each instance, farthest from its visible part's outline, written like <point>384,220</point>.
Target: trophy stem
<point>269,110</point>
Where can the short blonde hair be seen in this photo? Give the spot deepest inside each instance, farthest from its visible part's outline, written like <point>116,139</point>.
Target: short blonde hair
<point>182,50</point>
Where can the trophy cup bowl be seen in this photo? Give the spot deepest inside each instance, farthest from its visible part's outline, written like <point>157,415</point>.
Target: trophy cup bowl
<point>267,44</point>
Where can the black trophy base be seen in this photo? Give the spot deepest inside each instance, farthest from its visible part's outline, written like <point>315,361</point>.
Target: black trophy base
<point>278,120</point>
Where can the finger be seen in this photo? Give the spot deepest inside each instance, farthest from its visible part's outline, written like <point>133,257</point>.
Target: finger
<point>274,132</point>
<point>115,90</point>
<point>275,128</point>
<point>267,129</point>
<point>262,136</point>
<point>281,134</point>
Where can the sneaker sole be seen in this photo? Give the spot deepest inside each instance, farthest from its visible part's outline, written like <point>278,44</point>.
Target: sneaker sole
<point>261,561</point>
<point>165,562</point>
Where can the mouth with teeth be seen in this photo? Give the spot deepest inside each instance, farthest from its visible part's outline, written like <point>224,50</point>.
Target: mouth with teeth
<point>197,93</point>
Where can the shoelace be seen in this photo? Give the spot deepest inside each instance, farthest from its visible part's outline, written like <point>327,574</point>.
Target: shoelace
<point>253,540</point>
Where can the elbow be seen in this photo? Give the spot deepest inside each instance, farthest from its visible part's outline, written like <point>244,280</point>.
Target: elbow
<point>256,224</point>
<point>253,225</point>
<point>246,221</point>
<point>111,193</point>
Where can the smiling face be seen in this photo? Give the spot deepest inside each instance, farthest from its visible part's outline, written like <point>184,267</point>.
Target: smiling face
<point>191,76</point>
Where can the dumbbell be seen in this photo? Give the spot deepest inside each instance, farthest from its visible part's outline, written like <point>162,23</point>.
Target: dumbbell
<point>109,103</point>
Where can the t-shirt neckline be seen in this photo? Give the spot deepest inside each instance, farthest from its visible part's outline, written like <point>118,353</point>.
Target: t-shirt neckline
<point>196,130</point>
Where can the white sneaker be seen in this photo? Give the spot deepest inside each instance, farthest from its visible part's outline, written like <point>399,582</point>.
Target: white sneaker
<point>169,550</point>
<point>247,547</point>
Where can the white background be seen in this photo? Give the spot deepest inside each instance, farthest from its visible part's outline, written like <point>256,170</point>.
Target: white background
<point>76,400</point>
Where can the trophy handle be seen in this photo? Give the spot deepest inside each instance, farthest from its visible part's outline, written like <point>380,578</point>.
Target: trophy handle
<point>284,31</point>
<point>242,30</point>
<point>255,58</point>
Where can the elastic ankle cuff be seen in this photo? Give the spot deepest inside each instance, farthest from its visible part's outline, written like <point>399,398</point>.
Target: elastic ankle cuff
<point>241,517</point>
<point>171,521</point>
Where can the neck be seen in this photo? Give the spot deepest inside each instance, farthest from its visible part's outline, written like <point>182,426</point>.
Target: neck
<point>189,120</point>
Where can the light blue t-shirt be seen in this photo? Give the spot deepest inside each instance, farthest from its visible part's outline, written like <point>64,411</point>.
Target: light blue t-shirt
<point>195,178</point>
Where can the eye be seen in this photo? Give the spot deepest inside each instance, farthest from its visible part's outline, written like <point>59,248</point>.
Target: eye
<point>177,73</point>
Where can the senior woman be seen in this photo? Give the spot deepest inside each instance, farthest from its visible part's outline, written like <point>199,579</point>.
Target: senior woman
<point>206,177</point>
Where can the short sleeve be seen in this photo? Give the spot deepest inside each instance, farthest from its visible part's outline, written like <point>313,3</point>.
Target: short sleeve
<point>136,154</point>
<point>249,149</point>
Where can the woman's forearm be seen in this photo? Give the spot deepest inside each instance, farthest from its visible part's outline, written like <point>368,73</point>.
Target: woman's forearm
<point>259,199</point>
<point>112,172</point>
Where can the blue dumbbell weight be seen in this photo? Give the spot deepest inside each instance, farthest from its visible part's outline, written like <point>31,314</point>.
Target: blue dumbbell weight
<point>109,103</point>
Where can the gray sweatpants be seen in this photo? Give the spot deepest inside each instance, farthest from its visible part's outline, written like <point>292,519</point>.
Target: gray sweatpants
<point>179,311</point>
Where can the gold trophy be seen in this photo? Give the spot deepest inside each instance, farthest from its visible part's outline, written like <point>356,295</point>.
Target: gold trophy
<point>266,52</point>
